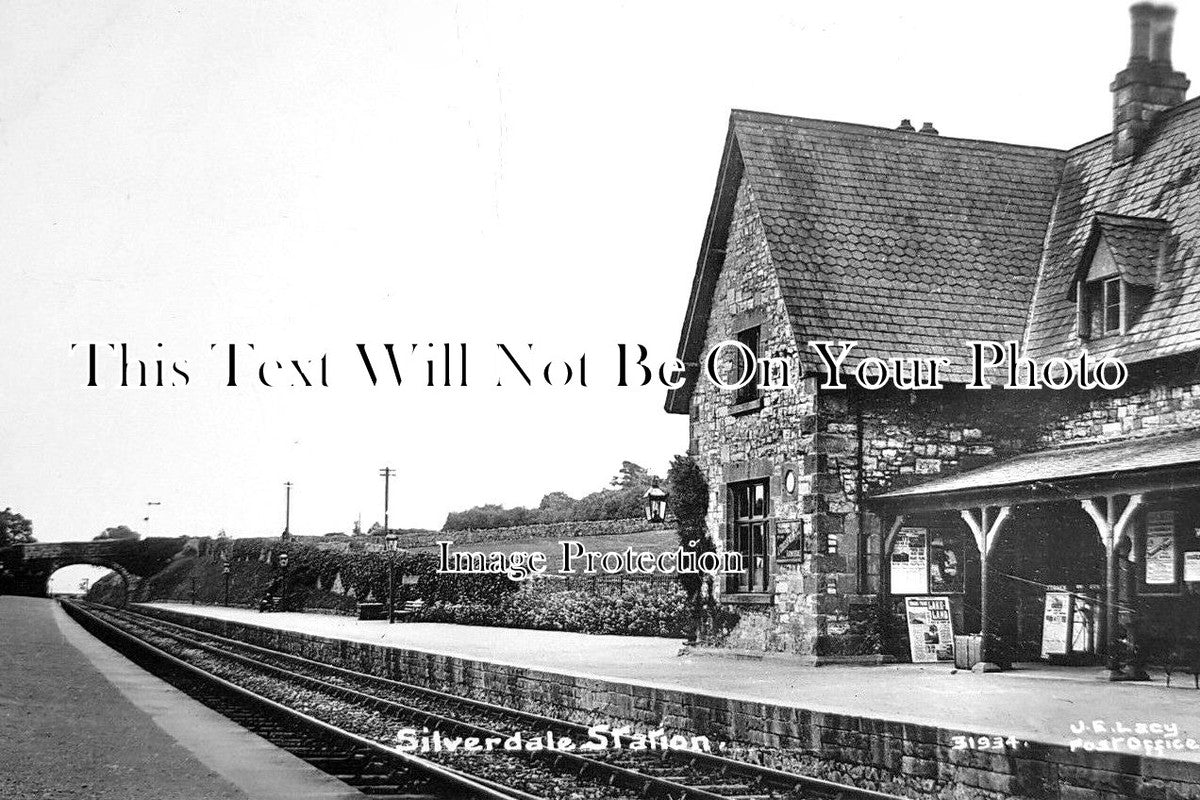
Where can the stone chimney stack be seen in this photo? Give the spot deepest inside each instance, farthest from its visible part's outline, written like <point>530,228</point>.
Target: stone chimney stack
<point>1148,85</point>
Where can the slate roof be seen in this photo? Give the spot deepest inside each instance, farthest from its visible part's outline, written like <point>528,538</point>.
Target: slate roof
<point>1162,183</point>
<point>913,244</point>
<point>1050,466</point>
<point>877,235</point>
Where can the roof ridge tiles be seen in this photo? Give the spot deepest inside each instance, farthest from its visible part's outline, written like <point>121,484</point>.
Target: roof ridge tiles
<point>898,135</point>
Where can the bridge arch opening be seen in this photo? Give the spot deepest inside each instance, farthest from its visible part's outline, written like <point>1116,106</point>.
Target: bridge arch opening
<point>77,578</point>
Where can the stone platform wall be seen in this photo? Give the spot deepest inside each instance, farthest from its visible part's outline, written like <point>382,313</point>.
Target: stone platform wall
<point>898,758</point>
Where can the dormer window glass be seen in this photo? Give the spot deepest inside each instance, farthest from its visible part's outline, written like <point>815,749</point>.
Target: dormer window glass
<point>1111,298</point>
<point>1102,308</point>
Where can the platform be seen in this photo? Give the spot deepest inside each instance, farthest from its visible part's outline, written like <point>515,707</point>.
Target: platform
<point>78,720</point>
<point>1037,703</point>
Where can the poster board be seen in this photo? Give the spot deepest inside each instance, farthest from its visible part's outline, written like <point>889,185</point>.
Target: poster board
<point>930,629</point>
<point>1191,565</point>
<point>1056,624</point>
<point>1160,548</point>
<point>945,564</point>
<point>910,562</point>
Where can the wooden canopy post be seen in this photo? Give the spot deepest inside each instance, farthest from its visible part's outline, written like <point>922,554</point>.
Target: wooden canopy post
<point>986,530</point>
<point>1112,527</point>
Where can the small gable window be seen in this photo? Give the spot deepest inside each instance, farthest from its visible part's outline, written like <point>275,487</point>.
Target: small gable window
<point>749,338</point>
<point>1116,278</point>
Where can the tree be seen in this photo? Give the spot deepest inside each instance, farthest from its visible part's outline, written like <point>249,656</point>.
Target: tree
<point>689,499</point>
<point>14,528</point>
<point>689,495</point>
<point>118,532</point>
<point>630,475</point>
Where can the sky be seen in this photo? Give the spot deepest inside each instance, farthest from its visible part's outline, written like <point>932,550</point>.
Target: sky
<point>311,176</point>
<point>75,579</point>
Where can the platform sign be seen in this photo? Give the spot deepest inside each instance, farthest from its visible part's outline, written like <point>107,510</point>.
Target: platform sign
<point>1056,624</point>
<point>930,629</point>
<point>910,562</point>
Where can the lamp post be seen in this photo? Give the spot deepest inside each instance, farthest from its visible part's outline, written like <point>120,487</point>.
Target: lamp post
<point>287,514</point>
<point>225,572</point>
<point>392,541</point>
<point>656,503</point>
<point>393,544</point>
<point>283,563</point>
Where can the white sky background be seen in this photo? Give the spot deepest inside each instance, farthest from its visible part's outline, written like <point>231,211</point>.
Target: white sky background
<point>308,176</point>
<point>69,580</point>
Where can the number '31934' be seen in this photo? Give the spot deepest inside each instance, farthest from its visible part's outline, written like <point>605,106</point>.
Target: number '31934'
<point>984,743</point>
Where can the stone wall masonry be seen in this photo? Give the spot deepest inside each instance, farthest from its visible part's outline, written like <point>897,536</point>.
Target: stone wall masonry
<point>1160,398</point>
<point>899,758</point>
<point>735,444</point>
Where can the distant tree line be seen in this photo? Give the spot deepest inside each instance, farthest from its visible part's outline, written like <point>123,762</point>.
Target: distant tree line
<point>117,532</point>
<point>620,500</point>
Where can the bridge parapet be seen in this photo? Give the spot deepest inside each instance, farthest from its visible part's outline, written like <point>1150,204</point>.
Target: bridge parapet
<point>56,551</point>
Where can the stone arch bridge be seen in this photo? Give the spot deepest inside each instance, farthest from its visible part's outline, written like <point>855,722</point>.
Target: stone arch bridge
<point>25,568</point>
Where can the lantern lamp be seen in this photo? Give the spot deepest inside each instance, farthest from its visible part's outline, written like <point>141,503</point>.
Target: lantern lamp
<point>393,542</point>
<point>656,503</point>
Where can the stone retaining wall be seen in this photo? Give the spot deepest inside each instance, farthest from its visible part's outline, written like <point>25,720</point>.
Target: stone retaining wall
<point>899,758</point>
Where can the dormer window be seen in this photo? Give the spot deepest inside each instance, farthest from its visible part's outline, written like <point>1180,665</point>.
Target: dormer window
<point>1116,277</point>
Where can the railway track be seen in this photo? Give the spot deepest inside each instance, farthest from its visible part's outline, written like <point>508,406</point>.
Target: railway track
<point>374,708</point>
<point>373,769</point>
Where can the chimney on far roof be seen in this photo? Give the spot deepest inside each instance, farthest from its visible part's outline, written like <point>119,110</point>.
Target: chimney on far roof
<point>1148,85</point>
<point>929,129</point>
<point>906,125</point>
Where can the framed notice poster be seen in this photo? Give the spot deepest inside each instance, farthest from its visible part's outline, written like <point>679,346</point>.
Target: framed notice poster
<point>1056,624</point>
<point>910,562</point>
<point>1160,548</point>
<point>1191,565</point>
<point>930,628</point>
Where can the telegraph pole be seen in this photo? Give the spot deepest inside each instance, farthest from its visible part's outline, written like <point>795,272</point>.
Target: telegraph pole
<point>387,473</point>
<point>287,518</point>
<point>149,504</point>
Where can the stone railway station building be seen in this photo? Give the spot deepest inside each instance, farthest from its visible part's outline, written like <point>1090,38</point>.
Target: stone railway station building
<point>913,244</point>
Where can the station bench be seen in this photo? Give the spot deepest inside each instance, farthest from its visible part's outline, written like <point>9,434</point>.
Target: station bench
<point>377,611</point>
<point>270,603</point>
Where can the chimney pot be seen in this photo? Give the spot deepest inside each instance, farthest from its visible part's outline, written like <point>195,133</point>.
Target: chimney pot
<point>1140,16</point>
<point>929,129</point>
<point>1162,24</point>
<point>906,125</point>
<point>1148,86</point>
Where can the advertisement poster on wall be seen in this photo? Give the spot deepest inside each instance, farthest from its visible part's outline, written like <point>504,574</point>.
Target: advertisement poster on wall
<point>1191,565</point>
<point>910,562</point>
<point>1160,559</point>
<point>945,564</point>
<point>1056,624</point>
<point>930,629</point>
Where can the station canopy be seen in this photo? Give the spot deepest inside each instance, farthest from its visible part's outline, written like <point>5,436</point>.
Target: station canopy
<point>1148,464</point>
